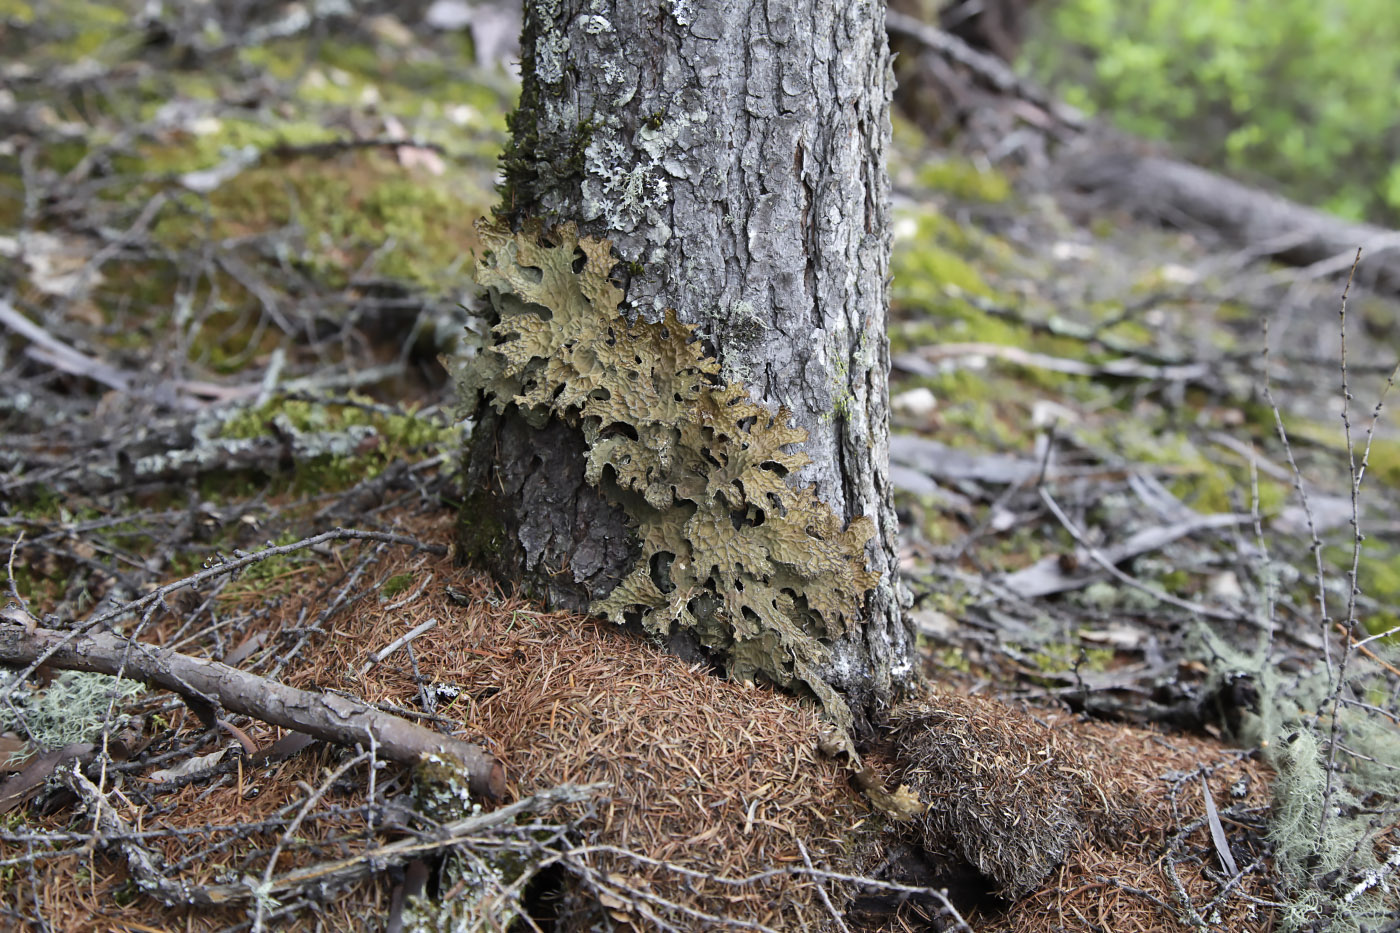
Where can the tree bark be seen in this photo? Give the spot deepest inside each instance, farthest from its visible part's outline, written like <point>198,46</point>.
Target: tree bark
<point>734,152</point>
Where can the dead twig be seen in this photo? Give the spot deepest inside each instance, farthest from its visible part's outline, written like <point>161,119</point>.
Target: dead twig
<point>206,683</point>
<point>395,645</point>
<point>344,871</point>
<point>988,68</point>
<point>144,866</point>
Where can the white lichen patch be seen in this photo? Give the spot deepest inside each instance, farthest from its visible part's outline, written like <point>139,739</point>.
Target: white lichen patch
<point>681,13</point>
<point>551,48</point>
<point>487,886</point>
<point>622,191</point>
<point>626,184</point>
<point>485,900</point>
<point>440,789</point>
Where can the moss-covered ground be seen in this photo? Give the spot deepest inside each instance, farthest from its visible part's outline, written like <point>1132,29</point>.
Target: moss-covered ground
<point>256,232</point>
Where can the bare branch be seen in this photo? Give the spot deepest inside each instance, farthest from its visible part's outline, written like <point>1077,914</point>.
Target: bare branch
<point>325,716</point>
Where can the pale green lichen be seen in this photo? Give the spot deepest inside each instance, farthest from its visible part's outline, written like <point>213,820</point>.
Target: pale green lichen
<point>488,885</point>
<point>71,708</point>
<point>757,569</point>
<point>1326,844</point>
<point>441,789</point>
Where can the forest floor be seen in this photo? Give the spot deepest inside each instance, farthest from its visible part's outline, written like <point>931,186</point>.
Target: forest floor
<point>233,245</point>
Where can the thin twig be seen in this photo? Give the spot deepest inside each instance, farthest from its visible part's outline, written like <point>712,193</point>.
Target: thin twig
<point>396,644</point>
<point>221,568</point>
<point>261,897</point>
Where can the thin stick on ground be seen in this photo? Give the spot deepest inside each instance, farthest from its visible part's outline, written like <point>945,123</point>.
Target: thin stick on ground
<point>261,897</point>
<point>223,567</point>
<point>207,683</point>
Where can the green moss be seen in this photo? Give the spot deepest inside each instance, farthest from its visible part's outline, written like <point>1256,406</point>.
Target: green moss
<point>345,74</point>
<point>395,585</point>
<point>952,659</point>
<point>906,134</point>
<point>395,430</point>
<point>283,59</point>
<point>1212,487</point>
<point>841,397</point>
<point>1205,482</point>
<point>360,439</point>
<point>1021,548</point>
<point>17,12</point>
<point>964,179</point>
<point>349,207</point>
<point>273,567</point>
<point>1378,578</point>
<point>61,156</point>
<point>1058,657</point>
<point>928,270</point>
<point>11,196</point>
<point>578,147</point>
<point>362,59</point>
<point>210,149</point>
<point>1383,462</point>
<point>936,268</point>
<point>480,534</point>
<point>1387,624</point>
<point>1379,575</point>
<point>523,154</point>
<point>69,31</point>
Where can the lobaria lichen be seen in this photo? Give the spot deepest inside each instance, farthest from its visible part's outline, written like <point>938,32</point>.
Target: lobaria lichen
<point>756,568</point>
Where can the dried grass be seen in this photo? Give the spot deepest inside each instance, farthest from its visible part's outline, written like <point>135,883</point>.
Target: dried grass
<point>1147,861</point>
<point>707,775</point>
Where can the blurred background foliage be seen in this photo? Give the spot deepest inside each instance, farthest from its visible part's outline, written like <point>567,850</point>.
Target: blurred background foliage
<point>1301,96</point>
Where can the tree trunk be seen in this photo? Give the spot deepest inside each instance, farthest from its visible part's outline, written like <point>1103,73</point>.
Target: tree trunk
<point>734,154</point>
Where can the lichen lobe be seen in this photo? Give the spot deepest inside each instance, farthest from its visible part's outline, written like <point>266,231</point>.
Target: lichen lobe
<point>758,570</point>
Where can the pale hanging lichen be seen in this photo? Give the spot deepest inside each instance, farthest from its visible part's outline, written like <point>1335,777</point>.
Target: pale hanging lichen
<point>758,570</point>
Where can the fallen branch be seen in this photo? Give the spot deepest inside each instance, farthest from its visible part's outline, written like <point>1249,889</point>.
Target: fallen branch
<point>144,866</point>
<point>988,70</point>
<point>396,644</point>
<point>348,870</point>
<point>1122,368</point>
<point>1260,221</point>
<point>207,684</point>
<point>148,870</point>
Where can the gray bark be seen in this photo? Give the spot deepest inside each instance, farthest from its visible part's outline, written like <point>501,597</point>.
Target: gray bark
<point>736,150</point>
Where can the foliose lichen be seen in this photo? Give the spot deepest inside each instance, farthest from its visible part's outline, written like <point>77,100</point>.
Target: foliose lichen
<point>757,569</point>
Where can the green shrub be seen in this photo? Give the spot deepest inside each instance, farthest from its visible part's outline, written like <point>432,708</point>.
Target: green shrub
<point>1304,93</point>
